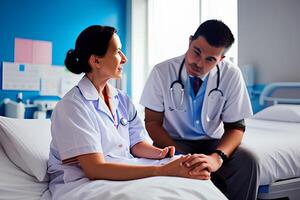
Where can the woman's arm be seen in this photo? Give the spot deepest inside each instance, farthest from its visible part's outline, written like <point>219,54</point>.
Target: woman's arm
<point>95,167</point>
<point>146,150</point>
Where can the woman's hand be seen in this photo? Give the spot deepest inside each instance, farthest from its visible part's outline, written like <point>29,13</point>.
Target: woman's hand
<point>167,152</point>
<point>174,168</point>
<point>177,168</point>
<point>145,150</point>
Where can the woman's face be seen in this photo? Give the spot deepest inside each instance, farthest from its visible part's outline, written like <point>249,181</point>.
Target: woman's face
<point>112,62</point>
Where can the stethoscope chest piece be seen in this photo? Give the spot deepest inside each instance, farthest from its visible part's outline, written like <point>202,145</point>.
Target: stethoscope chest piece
<point>123,121</point>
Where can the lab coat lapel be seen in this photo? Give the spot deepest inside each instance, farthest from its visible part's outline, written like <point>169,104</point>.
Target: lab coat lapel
<point>185,80</point>
<point>212,80</point>
<point>113,102</point>
<point>211,84</point>
<point>113,97</point>
<point>102,107</point>
<point>90,93</point>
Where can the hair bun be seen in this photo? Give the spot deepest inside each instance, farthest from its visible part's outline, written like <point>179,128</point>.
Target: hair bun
<point>72,62</point>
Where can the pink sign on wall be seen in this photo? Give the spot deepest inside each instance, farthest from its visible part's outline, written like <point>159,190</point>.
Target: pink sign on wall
<point>23,50</point>
<point>42,52</point>
<point>33,51</point>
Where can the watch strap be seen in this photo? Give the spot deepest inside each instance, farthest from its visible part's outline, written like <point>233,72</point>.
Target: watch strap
<point>221,154</point>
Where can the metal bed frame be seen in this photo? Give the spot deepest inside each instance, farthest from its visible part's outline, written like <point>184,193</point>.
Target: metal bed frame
<point>285,189</point>
<point>265,96</point>
<point>288,189</point>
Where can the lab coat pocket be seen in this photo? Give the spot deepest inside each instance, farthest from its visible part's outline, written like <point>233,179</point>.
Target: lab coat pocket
<point>214,107</point>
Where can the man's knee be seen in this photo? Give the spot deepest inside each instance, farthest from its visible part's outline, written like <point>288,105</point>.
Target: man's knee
<point>242,174</point>
<point>247,160</point>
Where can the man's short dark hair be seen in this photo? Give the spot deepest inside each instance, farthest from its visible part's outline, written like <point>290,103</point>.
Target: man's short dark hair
<point>216,33</point>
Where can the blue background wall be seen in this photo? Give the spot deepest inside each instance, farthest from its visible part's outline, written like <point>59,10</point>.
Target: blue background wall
<point>58,21</point>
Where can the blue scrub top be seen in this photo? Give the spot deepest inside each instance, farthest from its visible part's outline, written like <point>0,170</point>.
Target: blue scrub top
<point>196,106</point>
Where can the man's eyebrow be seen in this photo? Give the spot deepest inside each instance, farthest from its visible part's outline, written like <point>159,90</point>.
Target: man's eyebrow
<point>197,48</point>
<point>210,57</point>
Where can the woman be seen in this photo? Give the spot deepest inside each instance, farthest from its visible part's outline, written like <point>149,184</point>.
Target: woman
<point>96,133</point>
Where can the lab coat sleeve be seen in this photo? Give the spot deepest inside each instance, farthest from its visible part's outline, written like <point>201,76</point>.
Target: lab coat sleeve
<point>237,105</point>
<point>152,96</point>
<point>73,129</point>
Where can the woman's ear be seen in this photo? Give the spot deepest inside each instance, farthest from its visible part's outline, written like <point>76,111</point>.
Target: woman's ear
<point>94,61</point>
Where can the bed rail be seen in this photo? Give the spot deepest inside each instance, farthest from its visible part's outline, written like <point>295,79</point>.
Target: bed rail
<point>270,88</point>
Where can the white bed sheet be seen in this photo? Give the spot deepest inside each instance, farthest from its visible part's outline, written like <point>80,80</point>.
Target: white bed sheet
<point>154,188</point>
<point>16,184</point>
<point>277,147</point>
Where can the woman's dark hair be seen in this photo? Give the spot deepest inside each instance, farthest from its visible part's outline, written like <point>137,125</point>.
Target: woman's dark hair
<point>93,40</point>
<point>216,33</point>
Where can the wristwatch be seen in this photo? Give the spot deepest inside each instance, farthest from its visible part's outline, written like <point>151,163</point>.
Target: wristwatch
<point>221,154</point>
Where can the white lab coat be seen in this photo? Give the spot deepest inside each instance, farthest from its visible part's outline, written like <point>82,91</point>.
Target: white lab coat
<point>233,106</point>
<point>82,124</point>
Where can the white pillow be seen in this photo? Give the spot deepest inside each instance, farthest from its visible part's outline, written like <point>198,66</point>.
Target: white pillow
<point>15,184</point>
<point>27,144</point>
<point>280,112</point>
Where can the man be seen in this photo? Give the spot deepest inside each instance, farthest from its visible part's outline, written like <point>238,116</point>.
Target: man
<point>197,102</point>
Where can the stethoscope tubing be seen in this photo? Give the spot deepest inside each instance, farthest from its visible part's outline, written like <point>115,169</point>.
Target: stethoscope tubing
<point>123,121</point>
<point>179,81</point>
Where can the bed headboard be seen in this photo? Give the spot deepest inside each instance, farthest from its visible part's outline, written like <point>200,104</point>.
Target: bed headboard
<point>266,95</point>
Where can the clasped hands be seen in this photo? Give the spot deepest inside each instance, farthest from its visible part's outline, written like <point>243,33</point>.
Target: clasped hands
<point>198,166</point>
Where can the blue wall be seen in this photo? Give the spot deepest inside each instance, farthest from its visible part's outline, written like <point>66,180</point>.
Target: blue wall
<point>58,21</point>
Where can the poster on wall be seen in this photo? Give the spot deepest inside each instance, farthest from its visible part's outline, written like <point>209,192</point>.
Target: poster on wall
<point>57,80</point>
<point>16,76</point>
<point>49,80</point>
<point>33,51</point>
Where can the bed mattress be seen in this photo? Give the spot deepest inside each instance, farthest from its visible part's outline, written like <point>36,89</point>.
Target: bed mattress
<point>277,147</point>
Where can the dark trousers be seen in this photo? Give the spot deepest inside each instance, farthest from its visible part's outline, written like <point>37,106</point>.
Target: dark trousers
<point>238,178</point>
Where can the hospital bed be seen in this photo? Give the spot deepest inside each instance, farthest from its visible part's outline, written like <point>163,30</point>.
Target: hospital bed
<point>273,134</point>
<point>24,149</point>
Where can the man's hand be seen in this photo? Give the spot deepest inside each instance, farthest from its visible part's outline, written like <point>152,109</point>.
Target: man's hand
<point>201,162</point>
<point>177,168</point>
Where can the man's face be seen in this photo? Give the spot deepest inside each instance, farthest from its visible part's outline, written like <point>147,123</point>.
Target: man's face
<point>201,57</point>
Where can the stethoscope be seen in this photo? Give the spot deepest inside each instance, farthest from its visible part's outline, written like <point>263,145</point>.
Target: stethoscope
<point>123,121</point>
<point>179,81</point>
